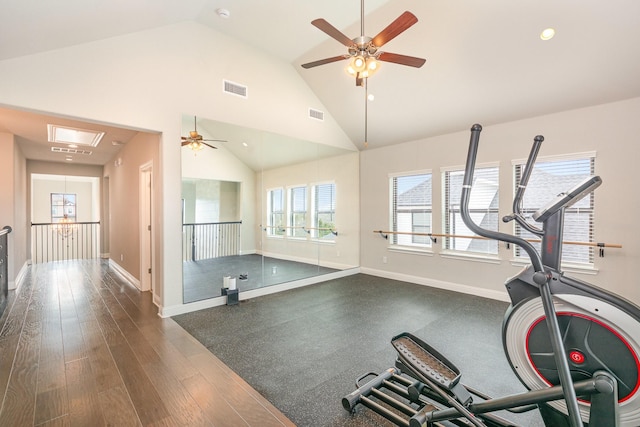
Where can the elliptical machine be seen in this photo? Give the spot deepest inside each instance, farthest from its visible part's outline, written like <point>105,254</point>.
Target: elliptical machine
<point>574,346</point>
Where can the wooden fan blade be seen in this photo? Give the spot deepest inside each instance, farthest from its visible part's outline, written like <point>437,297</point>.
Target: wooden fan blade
<point>209,145</point>
<point>185,142</point>
<point>332,31</point>
<point>215,140</point>
<point>402,23</point>
<point>324,61</point>
<point>396,58</point>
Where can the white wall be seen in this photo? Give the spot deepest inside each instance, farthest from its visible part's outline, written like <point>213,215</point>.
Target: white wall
<point>84,189</point>
<point>610,130</point>
<point>147,80</point>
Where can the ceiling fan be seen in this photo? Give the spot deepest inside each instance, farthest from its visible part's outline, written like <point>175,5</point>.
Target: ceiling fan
<point>363,50</point>
<point>195,140</point>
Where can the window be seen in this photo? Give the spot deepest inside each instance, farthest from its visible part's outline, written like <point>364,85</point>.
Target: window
<point>297,211</point>
<point>63,205</point>
<point>324,204</point>
<point>548,179</point>
<point>411,209</point>
<point>483,208</point>
<point>275,209</point>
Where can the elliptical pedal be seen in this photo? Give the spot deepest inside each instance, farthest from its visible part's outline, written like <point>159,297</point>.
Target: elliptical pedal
<point>424,359</point>
<point>417,357</point>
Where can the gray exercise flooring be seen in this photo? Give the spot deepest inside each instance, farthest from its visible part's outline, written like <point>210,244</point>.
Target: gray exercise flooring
<point>303,349</point>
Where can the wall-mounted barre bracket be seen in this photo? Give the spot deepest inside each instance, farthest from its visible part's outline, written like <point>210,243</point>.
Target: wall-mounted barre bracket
<point>386,236</point>
<point>334,232</point>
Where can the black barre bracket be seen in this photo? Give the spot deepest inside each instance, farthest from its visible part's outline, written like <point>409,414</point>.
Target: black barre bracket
<point>600,249</point>
<point>386,236</point>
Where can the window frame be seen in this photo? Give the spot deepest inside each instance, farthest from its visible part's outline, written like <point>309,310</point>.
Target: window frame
<point>398,242</point>
<point>271,227</point>
<point>518,254</point>
<point>446,211</point>
<point>292,229</point>
<point>315,232</point>
<point>62,210</point>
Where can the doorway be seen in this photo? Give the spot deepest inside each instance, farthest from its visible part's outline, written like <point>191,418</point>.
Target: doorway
<point>146,227</point>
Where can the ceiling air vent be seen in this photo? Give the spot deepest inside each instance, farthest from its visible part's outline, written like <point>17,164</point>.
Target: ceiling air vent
<point>316,114</point>
<point>234,88</point>
<point>70,151</point>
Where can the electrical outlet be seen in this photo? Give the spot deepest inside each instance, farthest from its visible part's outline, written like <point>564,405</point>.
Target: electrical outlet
<point>121,257</point>
<point>384,259</point>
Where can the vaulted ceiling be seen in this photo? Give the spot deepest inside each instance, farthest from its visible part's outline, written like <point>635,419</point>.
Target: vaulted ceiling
<point>485,61</point>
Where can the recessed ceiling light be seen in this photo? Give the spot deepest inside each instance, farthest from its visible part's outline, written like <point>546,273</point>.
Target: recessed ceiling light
<point>370,97</point>
<point>245,144</point>
<point>223,13</point>
<point>547,34</point>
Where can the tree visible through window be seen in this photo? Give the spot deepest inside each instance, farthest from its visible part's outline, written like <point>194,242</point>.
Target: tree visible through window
<point>297,211</point>
<point>548,179</point>
<point>411,206</point>
<point>275,209</point>
<point>483,208</point>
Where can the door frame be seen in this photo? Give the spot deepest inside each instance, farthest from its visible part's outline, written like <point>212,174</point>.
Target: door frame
<point>147,228</point>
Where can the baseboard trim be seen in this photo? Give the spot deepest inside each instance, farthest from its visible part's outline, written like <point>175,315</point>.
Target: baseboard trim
<point>17,282</point>
<point>253,293</point>
<point>125,274</point>
<point>439,284</point>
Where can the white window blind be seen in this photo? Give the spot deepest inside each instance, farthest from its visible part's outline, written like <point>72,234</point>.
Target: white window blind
<point>324,202</point>
<point>548,179</point>
<point>483,208</point>
<point>411,208</point>
<point>297,211</point>
<point>275,210</point>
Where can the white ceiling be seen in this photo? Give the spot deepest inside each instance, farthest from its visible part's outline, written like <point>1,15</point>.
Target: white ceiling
<point>485,61</point>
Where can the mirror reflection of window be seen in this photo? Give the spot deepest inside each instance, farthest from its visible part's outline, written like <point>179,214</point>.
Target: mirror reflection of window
<point>298,212</point>
<point>324,211</point>
<point>276,212</point>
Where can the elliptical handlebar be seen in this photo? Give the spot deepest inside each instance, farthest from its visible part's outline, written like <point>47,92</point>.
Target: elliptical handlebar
<point>522,186</point>
<point>540,277</point>
<point>469,169</point>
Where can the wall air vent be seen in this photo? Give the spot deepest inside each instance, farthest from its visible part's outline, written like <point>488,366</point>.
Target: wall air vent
<point>234,88</point>
<point>316,114</point>
<point>70,151</point>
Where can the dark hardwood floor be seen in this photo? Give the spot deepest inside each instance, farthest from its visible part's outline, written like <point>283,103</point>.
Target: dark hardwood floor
<point>81,347</point>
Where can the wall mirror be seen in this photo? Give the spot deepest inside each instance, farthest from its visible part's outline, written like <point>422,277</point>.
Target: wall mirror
<point>262,209</point>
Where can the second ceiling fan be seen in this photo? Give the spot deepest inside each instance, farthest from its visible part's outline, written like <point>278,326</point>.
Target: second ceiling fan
<point>195,141</point>
<point>363,50</point>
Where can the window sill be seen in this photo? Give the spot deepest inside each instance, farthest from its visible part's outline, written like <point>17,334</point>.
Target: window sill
<point>489,259</point>
<point>410,250</point>
<point>565,268</point>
